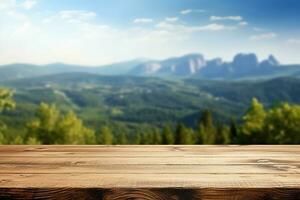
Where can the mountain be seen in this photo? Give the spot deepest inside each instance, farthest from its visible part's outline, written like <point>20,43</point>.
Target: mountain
<point>182,66</point>
<point>195,65</point>
<point>19,71</point>
<point>120,68</point>
<point>243,66</point>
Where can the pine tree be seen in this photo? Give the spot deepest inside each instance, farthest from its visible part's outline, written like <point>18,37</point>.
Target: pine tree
<point>233,132</point>
<point>207,130</point>
<point>157,139</point>
<point>183,135</point>
<point>137,138</point>
<point>105,136</point>
<point>167,135</point>
<point>222,134</point>
<point>179,133</point>
<point>122,139</point>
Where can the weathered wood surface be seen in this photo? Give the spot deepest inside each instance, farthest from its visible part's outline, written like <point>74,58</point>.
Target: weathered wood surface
<point>150,172</point>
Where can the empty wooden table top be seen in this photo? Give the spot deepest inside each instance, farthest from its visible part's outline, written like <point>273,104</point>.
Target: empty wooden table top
<point>150,172</point>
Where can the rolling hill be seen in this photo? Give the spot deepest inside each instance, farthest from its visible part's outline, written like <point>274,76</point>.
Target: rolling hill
<point>133,100</point>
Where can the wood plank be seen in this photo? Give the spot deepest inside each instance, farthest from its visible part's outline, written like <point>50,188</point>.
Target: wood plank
<point>150,172</point>
<point>148,169</point>
<point>147,151</point>
<point>152,154</point>
<point>176,160</point>
<point>151,194</point>
<point>108,181</point>
<point>150,148</point>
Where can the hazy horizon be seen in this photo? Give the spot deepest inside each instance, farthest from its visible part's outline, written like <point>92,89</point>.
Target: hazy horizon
<point>99,33</point>
<point>260,59</point>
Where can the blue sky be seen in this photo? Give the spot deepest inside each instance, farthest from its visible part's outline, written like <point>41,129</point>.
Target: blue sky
<point>99,32</point>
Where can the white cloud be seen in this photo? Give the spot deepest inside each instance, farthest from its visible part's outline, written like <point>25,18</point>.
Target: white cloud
<point>7,4</point>
<point>9,11</point>
<point>243,23</point>
<point>294,41</point>
<point>143,21</point>
<point>169,23</point>
<point>189,11</point>
<point>212,27</point>
<point>25,27</point>
<point>91,43</point>
<point>47,20</point>
<point>28,4</point>
<point>76,15</point>
<point>190,29</point>
<point>171,19</point>
<point>185,12</point>
<point>16,15</point>
<point>222,18</point>
<point>12,4</point>
<point>265,36</point>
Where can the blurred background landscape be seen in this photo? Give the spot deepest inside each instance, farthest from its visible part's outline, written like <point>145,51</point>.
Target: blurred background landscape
<point>144,72</point>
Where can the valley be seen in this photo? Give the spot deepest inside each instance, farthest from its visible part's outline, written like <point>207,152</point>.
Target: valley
<point>128,102</point>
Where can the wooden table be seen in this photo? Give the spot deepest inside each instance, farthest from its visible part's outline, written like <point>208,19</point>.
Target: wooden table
<point>150,172</point>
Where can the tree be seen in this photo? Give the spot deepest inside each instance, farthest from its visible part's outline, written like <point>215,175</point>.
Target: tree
<point>73,131</point>
<point>282,124</point>
<point>253,123</point>
<point>6,99</point>
<point>183,135</point>
<point>106,136</point>
<point>43,128</point>
<point>50,127</point>
<point>6,102</point>
<point>18,140</point>
<point>122,138</point>
<point>147,136</point>
<point>157,139</point>
<point>233,132</point>
<point>144,138</point>
<point>33,141</point>
<point>3,138</point>
<point>167,135</point>
<point>207,130</point>
<point>222,134</point>
<point>137,138</point>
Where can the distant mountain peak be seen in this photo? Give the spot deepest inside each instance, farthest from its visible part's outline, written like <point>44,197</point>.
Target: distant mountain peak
<point>186,65</point>
<point>243,65</point>
<point>273,60</point>
<point>245,60</point>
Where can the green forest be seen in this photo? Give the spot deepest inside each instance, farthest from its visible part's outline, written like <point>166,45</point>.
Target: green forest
<point>278,124</point>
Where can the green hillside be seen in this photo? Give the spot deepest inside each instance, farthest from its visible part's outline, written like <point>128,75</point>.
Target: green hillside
<point>135,100</point>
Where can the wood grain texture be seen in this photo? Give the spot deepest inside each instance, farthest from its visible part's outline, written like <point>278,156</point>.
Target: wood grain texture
<point>150,172</point>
